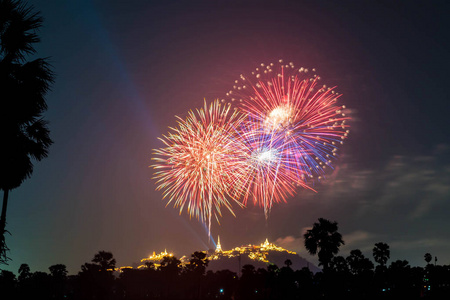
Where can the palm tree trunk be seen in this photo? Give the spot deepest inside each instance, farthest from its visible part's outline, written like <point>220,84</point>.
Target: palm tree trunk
<point>3,248</point>
<point>4,206</point>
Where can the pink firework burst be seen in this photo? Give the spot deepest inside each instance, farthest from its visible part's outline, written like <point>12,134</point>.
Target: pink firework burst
<point>284,100</point>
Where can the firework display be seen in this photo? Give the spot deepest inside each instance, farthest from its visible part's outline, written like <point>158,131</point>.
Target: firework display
<point>201,161</point>
<point>285,100</point>
<point>282,133</point>
<point>270,176</point>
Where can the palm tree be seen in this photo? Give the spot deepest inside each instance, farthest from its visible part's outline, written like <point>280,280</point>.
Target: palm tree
<point>325,240</point>
<point>381,253</point>
<point>24,134</point>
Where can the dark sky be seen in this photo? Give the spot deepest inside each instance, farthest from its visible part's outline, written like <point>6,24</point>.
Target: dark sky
<point>126,68</point>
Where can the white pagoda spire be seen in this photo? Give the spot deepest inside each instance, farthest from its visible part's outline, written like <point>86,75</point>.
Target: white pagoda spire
<point>218,247</point>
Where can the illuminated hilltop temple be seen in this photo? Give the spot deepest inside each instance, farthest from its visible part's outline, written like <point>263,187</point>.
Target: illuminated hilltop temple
<point>254,253</point>
<point>155,259</point>
<point>258,253</point>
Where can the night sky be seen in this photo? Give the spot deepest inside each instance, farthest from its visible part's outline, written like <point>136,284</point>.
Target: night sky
<point>124,69</point>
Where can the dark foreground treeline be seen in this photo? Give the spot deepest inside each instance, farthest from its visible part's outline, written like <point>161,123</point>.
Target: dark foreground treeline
<point>353,277</point>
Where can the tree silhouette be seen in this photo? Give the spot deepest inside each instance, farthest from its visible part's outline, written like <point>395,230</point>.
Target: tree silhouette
<point>305,280</point>
<point>105,261</point>
<point>24,134</point>
<point>170,269</point>
<point>287,281</point>
<point>288,263</point>
<point>339,277</point>
<point>58,275</point>
<point>24,272</point>
<point>139,284</point>
<point>339,265</point>
<point>171,265</point>
<point>325,240</point>
<point>381,253</point>
<point>399,278</point>
<point>96,279</point>
<point>248,282</point>
<point>221,284</point>
<point>399,281</point>
<point>428,258</point>
<point>361,269</point>
<point>58,271</point>
<point>149,265</point>
<point>196,270</point>
<point>40,286</point>
<point>198,263</point>
<point>358,263</point>
<point>8,285</point>
<point>25,281</point>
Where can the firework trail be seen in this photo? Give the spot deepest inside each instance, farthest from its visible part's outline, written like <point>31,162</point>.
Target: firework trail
<point>284,100</point>
<point>201,162</point>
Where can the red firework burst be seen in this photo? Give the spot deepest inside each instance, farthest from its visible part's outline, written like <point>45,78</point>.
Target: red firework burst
<point>201,162</point>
